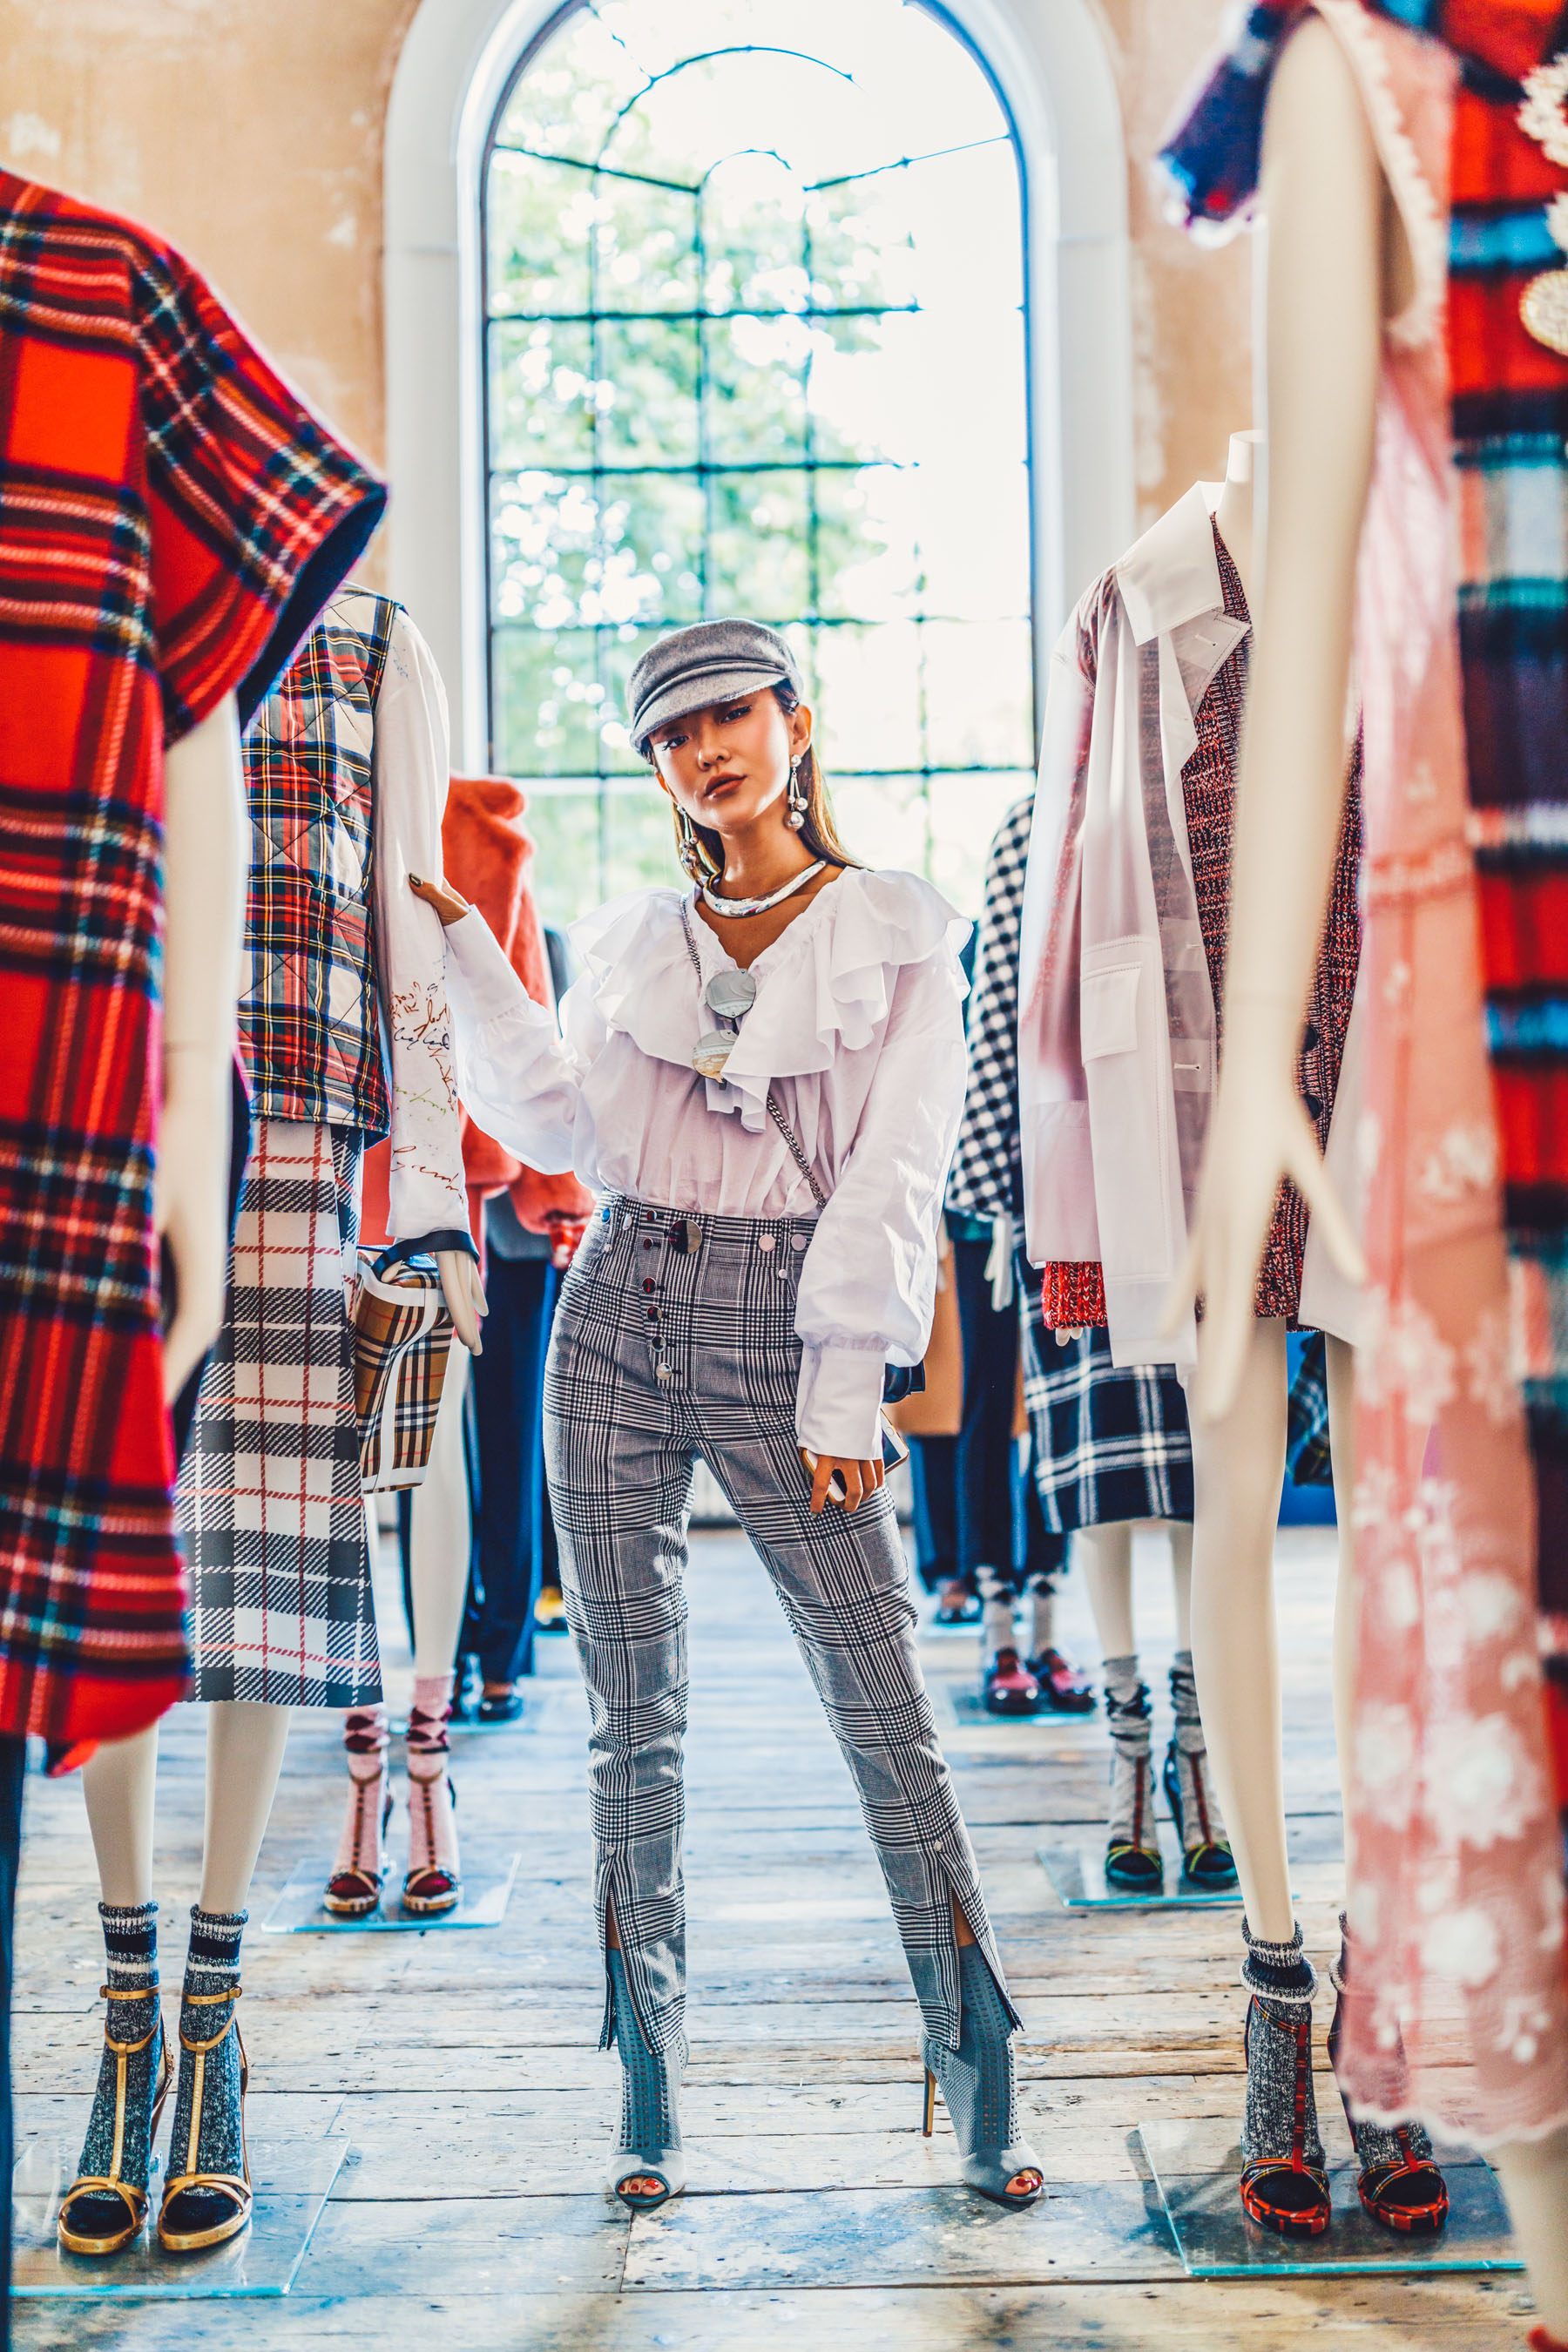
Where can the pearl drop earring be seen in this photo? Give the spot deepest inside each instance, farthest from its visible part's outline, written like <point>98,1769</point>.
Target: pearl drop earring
<point>797,797</point>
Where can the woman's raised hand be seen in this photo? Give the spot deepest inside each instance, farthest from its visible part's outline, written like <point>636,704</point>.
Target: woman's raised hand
<point>448,903</point>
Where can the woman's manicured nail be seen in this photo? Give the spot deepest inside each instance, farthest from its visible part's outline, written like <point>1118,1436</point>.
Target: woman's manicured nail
<point>416,881</point>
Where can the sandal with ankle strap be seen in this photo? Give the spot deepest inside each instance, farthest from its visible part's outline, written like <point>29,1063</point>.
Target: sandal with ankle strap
<point>109,2184</point>
<point>1288,2193</point>
<point>434,1882</point>
<point>1397,2178</point>
<point>359,1870</point>
<point>232,2186</point>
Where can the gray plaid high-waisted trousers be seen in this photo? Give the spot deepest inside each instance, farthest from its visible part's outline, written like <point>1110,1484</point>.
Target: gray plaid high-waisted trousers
<point>674,1338</point>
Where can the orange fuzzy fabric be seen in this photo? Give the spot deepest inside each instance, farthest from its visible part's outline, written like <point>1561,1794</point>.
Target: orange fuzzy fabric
<point>488,854</point>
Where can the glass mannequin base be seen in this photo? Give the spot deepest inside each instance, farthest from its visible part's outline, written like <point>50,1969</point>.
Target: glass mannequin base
<point>291,2178</point>
<point>1078,1873</point>
<point>299,1911</point>
<point>1196,2168</point>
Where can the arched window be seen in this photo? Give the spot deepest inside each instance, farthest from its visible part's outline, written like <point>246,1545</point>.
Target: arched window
<point>754,302</point>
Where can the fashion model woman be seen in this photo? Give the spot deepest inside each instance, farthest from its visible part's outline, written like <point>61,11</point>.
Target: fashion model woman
<point>762,1079</point>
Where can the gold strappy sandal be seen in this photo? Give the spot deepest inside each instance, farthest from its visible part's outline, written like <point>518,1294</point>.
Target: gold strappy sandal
<point>88,2184</point>
<point>234,2185</point>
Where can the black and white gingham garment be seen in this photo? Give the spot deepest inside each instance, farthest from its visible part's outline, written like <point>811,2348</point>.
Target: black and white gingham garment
<point>674,1338</point>
<point>986,1176</point>
<point>269,1502</point>
<point>1107,1444</point>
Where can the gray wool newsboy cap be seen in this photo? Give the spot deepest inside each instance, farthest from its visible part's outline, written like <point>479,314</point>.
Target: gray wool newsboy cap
<point>710,662</point>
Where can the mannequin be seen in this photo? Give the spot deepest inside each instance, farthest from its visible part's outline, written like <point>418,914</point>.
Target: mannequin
<point>1130,889</point>
<point>1132,1847</point>
<point>1238,1463</point>
<point>1341,265</point>
<point>346,763</point>
<point>204,911</point>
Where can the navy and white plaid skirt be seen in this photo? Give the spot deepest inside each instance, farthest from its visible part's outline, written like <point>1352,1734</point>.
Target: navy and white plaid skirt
<point>270,1503</point>
<point>1108,1444</point>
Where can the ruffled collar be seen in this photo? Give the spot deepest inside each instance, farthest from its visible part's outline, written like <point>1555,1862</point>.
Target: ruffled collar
<point>824,987</point>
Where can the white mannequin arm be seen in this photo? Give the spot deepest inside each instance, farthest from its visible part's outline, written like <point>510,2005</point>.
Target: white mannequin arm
<point>1324,207</point>
<point>206,841</point>
<point>411,771</point>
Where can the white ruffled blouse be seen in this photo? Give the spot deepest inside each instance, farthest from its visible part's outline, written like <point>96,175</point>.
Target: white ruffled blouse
<point>857,1028</point>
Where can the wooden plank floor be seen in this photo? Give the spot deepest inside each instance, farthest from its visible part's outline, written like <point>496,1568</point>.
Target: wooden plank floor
<point>463,2066</point>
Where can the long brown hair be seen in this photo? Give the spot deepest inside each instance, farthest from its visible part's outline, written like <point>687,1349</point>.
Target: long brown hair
<point>702,850</point>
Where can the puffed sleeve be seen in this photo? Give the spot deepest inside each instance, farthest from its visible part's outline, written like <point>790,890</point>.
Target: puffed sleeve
<point>867,1283</point>
<point>410,766</point>
<point>516,1074</point>
<point>255,512</point>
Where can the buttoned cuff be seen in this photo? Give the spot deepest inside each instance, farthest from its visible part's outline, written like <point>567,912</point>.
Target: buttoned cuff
<point>487,979</point>
<point>839,1401</point>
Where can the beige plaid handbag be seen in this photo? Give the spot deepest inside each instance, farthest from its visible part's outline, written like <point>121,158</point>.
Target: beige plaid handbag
<point>403,1340</point>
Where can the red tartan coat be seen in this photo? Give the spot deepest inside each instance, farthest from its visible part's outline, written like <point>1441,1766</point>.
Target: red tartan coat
<point>171,519</point>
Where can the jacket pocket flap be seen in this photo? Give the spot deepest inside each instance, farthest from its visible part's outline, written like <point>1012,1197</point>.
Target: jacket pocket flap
<point>1107,1012</point>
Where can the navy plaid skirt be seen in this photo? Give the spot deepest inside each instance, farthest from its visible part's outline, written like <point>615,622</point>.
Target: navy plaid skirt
<point>1108,1444</point>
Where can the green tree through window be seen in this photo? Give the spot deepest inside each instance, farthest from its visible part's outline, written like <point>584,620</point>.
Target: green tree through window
<point>755,297</point>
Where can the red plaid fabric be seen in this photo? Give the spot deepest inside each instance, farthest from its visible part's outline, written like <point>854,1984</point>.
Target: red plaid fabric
<point>310,1029</point>
<point>171,520</point>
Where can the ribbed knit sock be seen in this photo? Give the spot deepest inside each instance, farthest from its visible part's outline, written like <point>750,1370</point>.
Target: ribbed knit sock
<point>1043,1606</point>
<point>218,2142</point>
<point>1127,1719</point>
<point>366,1737</point>
<point>130,1948</point>
<point>1202,1820</point>
<point>432,1828</point>
<point>998,1605</point>
<point>427,1719</point>
<point>1282,1980</point>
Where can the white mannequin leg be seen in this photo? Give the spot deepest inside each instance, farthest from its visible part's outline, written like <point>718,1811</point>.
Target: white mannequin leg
<point>1181,1534</point>
<point>1237,1465</point>
<point>1105,1555</point>
<point>245,1756</point>
<point>1534,2175</point>
<point>118,1781</point>
<point>440,1533</point>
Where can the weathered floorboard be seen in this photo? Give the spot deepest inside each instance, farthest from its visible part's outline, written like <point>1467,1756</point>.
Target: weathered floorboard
<point>464,2071</point>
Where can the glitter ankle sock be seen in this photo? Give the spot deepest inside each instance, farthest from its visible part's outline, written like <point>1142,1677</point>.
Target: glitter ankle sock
<point>1282,1980</point>
<point>130,1948</point>
<point>214,2140</point>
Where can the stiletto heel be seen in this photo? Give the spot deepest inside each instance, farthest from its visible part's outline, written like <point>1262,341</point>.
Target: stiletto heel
<point>928,2124</point>
<point>979,2090</point>
<point>650,2147</point>
<point>1398,2183</point>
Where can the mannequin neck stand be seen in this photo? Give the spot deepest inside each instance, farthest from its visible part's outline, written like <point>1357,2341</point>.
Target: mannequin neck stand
<point>1233,513</point>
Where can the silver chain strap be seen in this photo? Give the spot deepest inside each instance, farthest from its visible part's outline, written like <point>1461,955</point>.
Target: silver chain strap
<point>775,1113</point>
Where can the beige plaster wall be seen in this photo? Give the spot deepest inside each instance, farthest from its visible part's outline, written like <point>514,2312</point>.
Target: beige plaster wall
<point>1191,307</point>
<point>249,134</point>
